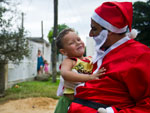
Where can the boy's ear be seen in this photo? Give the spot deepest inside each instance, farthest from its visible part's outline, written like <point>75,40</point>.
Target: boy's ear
<point>62,51</point>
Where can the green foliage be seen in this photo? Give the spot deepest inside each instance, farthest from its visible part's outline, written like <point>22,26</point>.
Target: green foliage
<point>60,28</point>
<point>141,21</point>
<point>13,44</point>
<point>50,35</point>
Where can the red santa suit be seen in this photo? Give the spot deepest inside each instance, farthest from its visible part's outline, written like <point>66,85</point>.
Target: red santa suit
<point>125,85</point>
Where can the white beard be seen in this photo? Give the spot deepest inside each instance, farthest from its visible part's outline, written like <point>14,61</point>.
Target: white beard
<point>99,40</point>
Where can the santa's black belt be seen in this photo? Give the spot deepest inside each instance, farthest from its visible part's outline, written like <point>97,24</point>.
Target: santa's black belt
<point>91,104</point>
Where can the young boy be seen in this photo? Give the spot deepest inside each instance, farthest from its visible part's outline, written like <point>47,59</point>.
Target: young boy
<point>75,69</point>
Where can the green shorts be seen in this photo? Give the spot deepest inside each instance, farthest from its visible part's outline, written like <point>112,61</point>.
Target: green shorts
<point>63,104</point>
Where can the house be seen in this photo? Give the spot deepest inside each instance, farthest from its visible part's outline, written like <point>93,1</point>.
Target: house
<point>27,68</point>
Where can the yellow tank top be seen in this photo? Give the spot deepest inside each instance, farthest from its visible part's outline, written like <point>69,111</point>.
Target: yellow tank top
<point>82,66</point>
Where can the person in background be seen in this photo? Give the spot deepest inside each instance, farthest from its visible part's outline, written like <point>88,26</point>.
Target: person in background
<point>75,68</point>
<point>46,70</point>
<point>125,86</point>
<point>40,62</point>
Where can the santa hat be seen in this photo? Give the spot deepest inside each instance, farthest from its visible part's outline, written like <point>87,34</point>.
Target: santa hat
<point>114,16</point>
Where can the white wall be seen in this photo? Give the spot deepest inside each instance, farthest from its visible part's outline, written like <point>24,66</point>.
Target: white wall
<point>60,59</point>
<point>27,69</point>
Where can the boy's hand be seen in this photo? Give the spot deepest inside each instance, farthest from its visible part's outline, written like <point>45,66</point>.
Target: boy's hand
<point>101,71</point>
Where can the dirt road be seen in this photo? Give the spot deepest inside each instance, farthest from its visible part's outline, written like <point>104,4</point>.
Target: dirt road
<point>29,105</point>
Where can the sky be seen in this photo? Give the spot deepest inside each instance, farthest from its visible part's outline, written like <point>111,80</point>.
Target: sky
<point>74,13</point>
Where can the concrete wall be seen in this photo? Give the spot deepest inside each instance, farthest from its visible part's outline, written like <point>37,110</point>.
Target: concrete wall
<point>27,69</point>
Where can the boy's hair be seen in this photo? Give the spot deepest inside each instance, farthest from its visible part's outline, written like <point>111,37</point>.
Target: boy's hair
<point>61,35</point>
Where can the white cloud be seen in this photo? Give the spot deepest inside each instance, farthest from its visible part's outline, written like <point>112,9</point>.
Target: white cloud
<point>74,13</point>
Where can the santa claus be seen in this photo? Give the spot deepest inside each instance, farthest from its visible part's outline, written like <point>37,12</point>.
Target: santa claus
<point>125,87</point>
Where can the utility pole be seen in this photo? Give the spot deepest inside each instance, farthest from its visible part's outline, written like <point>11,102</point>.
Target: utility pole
<point>42,37</point>
<point>42,30</point>
<point>22,22</point>
<point>54,48</point>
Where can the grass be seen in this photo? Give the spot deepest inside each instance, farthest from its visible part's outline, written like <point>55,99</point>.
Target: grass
<point>31,89</point>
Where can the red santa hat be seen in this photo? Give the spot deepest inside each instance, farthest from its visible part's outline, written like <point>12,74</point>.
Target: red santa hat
<point>114,16</point>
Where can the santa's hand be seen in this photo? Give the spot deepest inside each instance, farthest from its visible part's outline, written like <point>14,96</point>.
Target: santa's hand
<point>102,110</point>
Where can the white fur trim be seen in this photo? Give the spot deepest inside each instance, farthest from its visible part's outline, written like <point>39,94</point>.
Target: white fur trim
<point>107,25</point>
<point>115,45</point>
<point>102,110</point>
<point>133,33</point>
<point>109,110</point>
<point>60,87</point>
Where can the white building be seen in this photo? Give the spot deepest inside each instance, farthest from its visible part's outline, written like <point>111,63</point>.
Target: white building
<point>27,69</point>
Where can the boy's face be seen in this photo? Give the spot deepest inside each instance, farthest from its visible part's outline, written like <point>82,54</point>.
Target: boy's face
<point>73,45</point>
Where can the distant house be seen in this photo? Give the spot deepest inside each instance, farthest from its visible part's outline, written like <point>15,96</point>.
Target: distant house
<point>27,69</point>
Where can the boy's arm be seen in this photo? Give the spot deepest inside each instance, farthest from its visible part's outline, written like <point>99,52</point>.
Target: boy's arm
<point>69,75</point>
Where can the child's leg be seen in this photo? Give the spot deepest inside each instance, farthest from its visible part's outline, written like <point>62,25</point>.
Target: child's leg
<point>62,105</point>
<point>41,69</point>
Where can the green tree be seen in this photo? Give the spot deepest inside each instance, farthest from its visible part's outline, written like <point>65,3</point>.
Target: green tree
<point>141,21</point>
<point>13,45</point>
